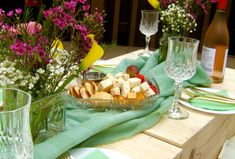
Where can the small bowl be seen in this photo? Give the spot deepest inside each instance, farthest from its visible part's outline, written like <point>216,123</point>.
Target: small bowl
<point>94,76</point>
<point>114,104</point>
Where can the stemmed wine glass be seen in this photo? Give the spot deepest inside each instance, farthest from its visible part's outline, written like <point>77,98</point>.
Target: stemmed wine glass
<point>148,26</point>
<point>180,66</point>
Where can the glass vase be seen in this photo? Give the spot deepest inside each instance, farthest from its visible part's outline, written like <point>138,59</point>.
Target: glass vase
<point>47,117</point>
<point>163,45</point>
<point>15,135</point>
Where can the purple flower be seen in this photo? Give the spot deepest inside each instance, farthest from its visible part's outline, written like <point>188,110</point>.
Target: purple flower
<point>99,16</point>
<point>18,47</point>
<point>29,50</point>
<point>75,1</point>
<point>81,28</point>
<point>60,23</point>
<point>85,7</point>
<point>6,27</point>
<point>10,13</point>
<point>70,5</point>
<point>82,1</point>
<point>2,14</point>
<point>18,11</point>
<point>214,1</point>
<point>47,13</point>
<point>42,53</point>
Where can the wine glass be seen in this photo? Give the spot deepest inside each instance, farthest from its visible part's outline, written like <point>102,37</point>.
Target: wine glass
<point>148,26</point>
<point>180,65</point>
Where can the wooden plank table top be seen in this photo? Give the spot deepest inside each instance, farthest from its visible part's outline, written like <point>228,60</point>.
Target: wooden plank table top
<point>200,136</point>
<point>143,146</point>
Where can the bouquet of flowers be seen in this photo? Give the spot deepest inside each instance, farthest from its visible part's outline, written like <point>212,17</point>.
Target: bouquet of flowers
<point>178,17</point>
<point>32,57</point>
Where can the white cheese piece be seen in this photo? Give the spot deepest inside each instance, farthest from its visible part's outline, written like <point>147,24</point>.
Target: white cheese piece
<point>144,86</point>
<point>149,92</point>
<point>136,89</point>
<point>119,74</point>
<point>126,76</point>
<point>117,82</point>
<point>115,91</point>
<point>108,76</point>
<point>125,88</point>
<point>105,85</point>
<point>134,82</point>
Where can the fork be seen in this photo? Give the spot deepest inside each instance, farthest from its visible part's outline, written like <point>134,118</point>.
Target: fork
<point>65,155</point>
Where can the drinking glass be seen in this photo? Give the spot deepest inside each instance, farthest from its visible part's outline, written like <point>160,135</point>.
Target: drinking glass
<point>15,133</point>
<point>180,66</point>
<point>148,26</point>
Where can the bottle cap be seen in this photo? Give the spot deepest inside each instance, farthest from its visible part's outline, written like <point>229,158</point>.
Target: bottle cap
<point>222,4</point>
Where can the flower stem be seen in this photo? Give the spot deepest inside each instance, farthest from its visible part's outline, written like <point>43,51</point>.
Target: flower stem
<point>66,82</point>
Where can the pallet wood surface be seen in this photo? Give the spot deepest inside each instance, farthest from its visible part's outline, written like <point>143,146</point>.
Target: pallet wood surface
<point>142,146</point>
<point>202,135</point>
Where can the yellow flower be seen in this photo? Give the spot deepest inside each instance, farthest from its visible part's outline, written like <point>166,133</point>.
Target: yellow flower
<point>57,44</point>
<point>154,3</point>
<point>95,53</point>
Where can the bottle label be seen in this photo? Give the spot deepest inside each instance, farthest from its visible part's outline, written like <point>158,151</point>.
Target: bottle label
<point>208,58</point>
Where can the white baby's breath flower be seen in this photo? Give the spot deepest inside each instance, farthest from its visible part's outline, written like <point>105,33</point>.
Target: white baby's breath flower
<point>31,85</point>
<point>40,71</point>
<point>23,83</point>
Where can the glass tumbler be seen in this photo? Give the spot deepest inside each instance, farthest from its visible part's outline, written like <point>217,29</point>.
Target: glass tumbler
<point>15,134</point>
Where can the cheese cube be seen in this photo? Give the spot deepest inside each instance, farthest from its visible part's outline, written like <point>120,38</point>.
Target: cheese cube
<point>134,82</point>
<point>125,88</point>
<point>126,76</point>
<point>144,86</point>
<point>136,89</point>
<point>118,82</point>
<point>131,95</point>
<point>105,85</point>
<point>115,91</point>
<point>149,92</point>
<point>109,75</point>
<point>119,74</point>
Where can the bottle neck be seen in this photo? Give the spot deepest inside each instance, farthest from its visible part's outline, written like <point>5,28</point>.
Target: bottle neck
<point>220,14</point>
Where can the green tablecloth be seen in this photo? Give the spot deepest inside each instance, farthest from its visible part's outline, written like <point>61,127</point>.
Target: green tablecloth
<point>88,128</point>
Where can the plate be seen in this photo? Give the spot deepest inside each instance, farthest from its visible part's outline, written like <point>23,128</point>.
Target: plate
<point>82,152</point>
<point>187,104</point>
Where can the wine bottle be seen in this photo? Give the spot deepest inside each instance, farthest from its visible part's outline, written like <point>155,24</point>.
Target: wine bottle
<point>216,44</point>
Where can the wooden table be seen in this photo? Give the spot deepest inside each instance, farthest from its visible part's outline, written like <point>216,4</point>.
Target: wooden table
<point>201,136</point>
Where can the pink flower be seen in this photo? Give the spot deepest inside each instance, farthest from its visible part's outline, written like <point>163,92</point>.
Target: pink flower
<point>85,7</point>
<point>33,28</point>
<point>82,1</point>
<point>10,13</point>
<point>214,1</point>
<point>2,14</point>
<point>18,11</point>
<point>70,5</point>
<point>18,47</point>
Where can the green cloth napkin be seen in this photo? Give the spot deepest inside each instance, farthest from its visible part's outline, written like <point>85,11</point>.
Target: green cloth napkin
<point>96,154</point>
<point>211,105</point>
<point>86,128</point>
<point>208,100</point>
